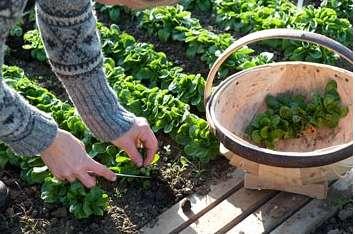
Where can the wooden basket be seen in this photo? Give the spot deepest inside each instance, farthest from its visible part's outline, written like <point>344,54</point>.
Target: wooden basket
<point>301,165</point>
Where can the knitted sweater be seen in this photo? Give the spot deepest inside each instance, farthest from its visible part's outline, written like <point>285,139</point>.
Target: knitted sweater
<point>68,30</point>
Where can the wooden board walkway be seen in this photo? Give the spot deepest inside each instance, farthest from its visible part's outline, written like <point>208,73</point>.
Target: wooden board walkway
<point>230,208</point>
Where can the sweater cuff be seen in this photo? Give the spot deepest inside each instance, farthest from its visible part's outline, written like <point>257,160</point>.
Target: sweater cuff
<point>98,105</point>
<point>38,136</point>
<point>68,30</point>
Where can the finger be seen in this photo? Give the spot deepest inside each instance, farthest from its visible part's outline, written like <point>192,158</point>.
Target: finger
<point>71,179</point>
<point>133,153</point>
<point>101,170</point>
<point>59,178</point>
<point>151,145</point>
<point>87,180</point>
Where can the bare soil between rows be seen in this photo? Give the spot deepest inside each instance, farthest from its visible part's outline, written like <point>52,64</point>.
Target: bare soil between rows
<point>131,206</point>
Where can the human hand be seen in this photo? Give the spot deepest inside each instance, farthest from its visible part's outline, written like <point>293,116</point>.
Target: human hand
<point>139,134</point>
<point>67,159</point>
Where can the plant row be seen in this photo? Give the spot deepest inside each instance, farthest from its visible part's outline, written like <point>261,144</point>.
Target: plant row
<point>163,110</point>
<point>165,113</point>
<point>173,23</point>
<point>248,16</point>
<point>80,201</point>
<point>140,60</point>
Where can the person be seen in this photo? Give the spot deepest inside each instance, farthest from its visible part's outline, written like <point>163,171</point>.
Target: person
<point>68,30</point>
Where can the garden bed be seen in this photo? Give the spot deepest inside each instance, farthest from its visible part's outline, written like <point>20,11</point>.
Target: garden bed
<point>181,170</point>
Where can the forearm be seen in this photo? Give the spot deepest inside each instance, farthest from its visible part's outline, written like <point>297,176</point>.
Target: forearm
<point>68,30</point>
<point>25,129</point>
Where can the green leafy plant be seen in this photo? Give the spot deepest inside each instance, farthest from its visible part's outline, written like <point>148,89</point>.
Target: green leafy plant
<point>173,23</point>
<point>248,16</point>
<point>81,202</point>
<point>113,12</point>
<point>164,113</point>
<point>198,5</point>
<point>344,8</point>
<point>288,115</point>
<point>35,45</point>
<point>151,68</point>
<point>16,30</point>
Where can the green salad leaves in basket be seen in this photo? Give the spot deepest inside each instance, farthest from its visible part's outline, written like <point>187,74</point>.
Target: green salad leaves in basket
<point>289,116</point>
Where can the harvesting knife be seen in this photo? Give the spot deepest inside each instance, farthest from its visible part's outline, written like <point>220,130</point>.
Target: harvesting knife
<point>133,176</point>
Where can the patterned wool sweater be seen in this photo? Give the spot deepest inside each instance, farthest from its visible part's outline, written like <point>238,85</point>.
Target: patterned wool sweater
<point>68,30</point>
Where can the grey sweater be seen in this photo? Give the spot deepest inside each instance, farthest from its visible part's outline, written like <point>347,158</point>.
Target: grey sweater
<point>68,30</point>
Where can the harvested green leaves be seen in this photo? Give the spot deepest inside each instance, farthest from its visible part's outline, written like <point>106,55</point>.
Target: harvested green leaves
<point>288,115</point>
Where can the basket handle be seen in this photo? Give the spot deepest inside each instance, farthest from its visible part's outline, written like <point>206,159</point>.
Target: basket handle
<point>299,35</point>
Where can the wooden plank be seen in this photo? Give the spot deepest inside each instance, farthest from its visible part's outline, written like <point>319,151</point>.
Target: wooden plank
<point>313,190</point>
<point>317,211</point>
<point>237,206</point>
<point>175,216</point>
<point>273,213</point>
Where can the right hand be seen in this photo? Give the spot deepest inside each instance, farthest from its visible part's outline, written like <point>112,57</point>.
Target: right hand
<point>67,159</point>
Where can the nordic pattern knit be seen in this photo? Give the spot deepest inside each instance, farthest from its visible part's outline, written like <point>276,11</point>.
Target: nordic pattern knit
<point>68,30</point>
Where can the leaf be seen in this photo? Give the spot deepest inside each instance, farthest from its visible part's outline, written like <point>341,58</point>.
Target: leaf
<point>191,51</point>
<point>285,112</point>
<point>115,14</point>
<point>168,128</point>
<point>99,148</point>
<point>264,132</point>
<point>255,136</point>
<point>331,85</point>
<point>164,34</point>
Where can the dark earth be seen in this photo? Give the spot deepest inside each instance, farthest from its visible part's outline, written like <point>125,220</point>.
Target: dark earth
<point>131,206</point>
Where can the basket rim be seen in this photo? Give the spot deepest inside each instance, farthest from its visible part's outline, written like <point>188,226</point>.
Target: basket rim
<point>238,145</point>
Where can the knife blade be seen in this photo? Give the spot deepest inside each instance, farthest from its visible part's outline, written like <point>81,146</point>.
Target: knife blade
<point>133,176</point>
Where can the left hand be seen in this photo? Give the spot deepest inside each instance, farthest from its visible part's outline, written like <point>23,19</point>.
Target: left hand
<point>139,134</point>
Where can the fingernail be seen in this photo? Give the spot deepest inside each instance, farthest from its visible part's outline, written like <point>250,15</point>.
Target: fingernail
<point>114,178</point>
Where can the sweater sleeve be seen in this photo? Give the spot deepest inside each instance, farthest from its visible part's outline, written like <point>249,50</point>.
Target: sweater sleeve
<point>68,30</point>
<point>25,129</point>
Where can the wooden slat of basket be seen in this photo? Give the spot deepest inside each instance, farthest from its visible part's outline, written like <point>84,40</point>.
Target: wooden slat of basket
<point>318,190</point>
<point>175,217</point>
<point>273,213</point>
<point>317,211</point>
<point>237,206</point>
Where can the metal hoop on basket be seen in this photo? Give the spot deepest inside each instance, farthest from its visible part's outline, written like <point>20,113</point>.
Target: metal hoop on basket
<point>265,156</point>
<point>324,41</point>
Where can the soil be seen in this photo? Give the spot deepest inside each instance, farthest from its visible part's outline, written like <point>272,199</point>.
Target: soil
<point>131,206</point>
<point>341,223</point>
<point>174,51</point>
